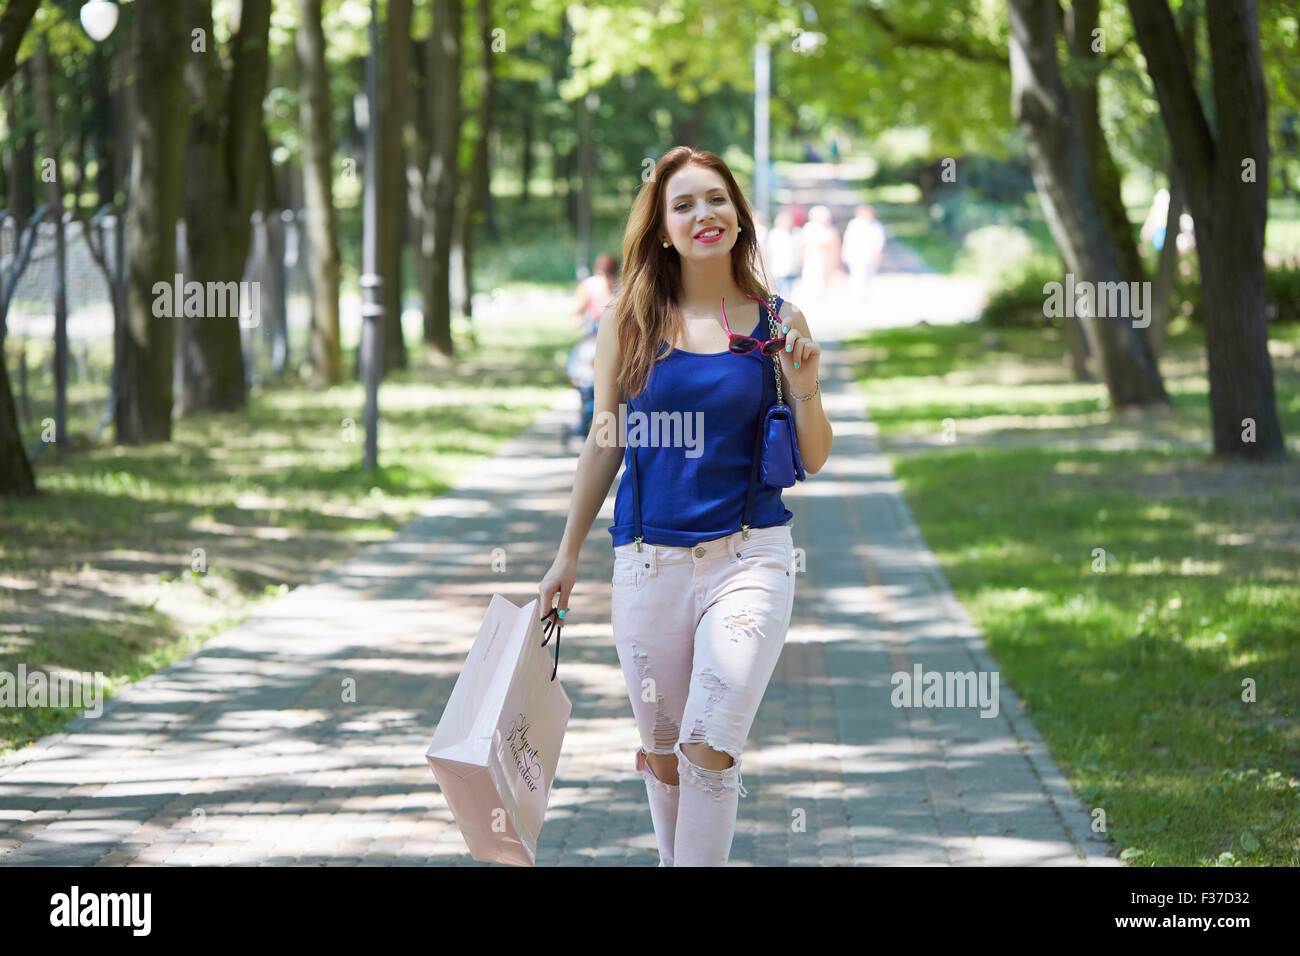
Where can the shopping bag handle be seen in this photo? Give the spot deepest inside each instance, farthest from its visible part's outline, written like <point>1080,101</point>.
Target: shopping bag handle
<point>553,626</point>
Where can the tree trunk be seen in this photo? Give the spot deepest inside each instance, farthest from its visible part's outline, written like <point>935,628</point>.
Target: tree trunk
<point>14,21</point>
<point>491,161</point>
<point>442,177</point>
<point>20,152</point>
<point>1226,177</point>
<point>1167,263</point>
<point>570,164</point>
<point>317,181</point>
<point>1162,289</point>
<point>419,137</point>
<point>393,109</point>
<point>223,166</point>
<point>1042,109</point>
<point>1099,164</point>
<point>10,148</point>
<point>160,46</point>
<point>585,167</point>
<point>52,149</point>
<point>1077,341</point>
<point>688,125</point>
<point>526,166</point>
<point>16,478</point>
<point>103,135</point>
<point>479,173</point>
<point>268,256</point>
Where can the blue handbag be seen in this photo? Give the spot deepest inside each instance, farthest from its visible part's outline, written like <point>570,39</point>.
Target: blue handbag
<point>780,465</point>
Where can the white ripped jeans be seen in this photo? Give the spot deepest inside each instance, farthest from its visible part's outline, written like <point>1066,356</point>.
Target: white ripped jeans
<point>698,632</point>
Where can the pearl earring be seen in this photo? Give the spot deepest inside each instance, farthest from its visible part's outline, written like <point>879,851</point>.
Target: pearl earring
<point>665,245</point>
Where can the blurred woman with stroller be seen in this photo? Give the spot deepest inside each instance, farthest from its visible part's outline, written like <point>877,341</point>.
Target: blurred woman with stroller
<point>594,293</point>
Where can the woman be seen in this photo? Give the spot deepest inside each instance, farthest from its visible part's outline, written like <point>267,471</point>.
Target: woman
<point>821,260</point>
<point>783,251</point>
<point>700,606</point>
<point>594,293</point>
<point>862,248</point>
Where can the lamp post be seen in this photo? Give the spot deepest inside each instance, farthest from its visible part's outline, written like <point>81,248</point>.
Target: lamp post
<point>99,20</point>
<point>762,161</point>
<point>372,305</point>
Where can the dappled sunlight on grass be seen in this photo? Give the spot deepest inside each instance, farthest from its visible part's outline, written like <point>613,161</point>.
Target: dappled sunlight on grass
<point>1126,594</point>
<point>1183,567</point>
<point>132,556</point>
<point>1015,384</point>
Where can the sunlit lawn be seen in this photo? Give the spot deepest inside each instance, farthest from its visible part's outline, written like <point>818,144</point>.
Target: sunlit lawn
<point>1128,586</point>
<point>133,555</point>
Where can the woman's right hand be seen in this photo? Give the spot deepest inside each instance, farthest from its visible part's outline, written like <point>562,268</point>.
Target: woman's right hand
<point>559,579</point>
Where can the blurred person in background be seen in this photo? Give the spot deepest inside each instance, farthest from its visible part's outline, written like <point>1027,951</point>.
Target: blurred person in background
<point>836,143</point>
<point>1153,229</point>
<point>595,291</point>
<point>1186,234</point>
<point>781,252</point>
<point>864,246</point>
<point>821,252</point>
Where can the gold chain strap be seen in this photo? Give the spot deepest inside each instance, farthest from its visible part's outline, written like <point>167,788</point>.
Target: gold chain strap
<point>774,329</point>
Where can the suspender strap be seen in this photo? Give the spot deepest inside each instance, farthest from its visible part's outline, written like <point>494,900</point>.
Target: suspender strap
<point>636,496</point>
<point>753,479</point>
<point>749,492</point>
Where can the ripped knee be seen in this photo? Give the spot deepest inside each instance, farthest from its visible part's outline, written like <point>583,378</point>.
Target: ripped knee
<point>702,755</point>
<point>661,767</point>
<point>714,771</point>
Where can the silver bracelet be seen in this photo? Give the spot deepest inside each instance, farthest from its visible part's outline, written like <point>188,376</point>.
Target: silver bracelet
<point>806,397</point>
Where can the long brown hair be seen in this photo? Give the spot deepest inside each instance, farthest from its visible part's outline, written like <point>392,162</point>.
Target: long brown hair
<point>646,311</point>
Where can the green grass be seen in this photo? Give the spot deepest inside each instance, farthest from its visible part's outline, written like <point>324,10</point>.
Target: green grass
<point>1022,390</point>
<point>908,221</point>
<point>101,572</point>
<point>1132,671</point>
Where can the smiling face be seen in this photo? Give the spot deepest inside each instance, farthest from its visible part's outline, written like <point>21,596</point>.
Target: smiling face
<point>697,202</point>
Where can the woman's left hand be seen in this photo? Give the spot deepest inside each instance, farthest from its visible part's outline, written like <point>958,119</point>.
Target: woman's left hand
<point>806,354</point>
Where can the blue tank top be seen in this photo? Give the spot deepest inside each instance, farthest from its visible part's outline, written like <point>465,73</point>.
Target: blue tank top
<point>696,422</point>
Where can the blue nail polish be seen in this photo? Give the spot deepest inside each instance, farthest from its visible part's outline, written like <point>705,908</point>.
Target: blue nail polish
<point>785,328</point>
<point>789,346</point>
<point>796,364</point>
<point>562,613</point>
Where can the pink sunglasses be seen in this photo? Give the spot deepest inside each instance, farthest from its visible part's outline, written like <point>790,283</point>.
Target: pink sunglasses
<point>741,344</point>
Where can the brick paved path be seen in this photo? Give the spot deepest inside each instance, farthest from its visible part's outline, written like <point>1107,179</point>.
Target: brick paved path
<point>246,753</point>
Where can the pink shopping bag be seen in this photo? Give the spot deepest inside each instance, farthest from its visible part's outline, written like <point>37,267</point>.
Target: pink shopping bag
<point>495,750</point>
